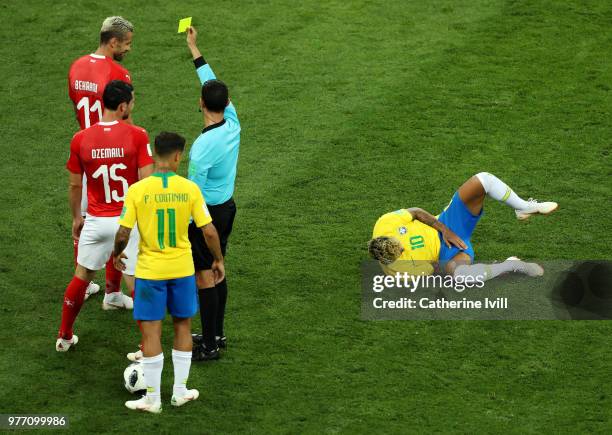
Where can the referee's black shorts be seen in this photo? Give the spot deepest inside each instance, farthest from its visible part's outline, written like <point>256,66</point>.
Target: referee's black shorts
<point>223,219</point>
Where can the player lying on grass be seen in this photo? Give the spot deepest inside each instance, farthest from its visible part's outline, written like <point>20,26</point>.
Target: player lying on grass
<point>163,205</point>
<point>443,243</point>
<point>112,154</point>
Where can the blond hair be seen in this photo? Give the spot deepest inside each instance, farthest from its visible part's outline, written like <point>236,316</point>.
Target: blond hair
<point>385,249</point>
<point>115,27</point>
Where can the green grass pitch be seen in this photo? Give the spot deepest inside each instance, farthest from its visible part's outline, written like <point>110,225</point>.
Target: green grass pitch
<point>349,109</point>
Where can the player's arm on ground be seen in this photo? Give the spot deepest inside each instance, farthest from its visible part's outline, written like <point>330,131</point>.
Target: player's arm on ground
<point>450,238</point>
<point>75,186</point>
<point>205,72</point>
<point>202,219</point>
<point>127,220</point>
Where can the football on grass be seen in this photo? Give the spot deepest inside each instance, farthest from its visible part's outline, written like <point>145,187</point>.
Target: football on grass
<point>133,378</point>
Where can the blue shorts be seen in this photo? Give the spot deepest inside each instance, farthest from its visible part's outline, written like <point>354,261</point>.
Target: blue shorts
<point>462,222</point>
<point>154,296</point>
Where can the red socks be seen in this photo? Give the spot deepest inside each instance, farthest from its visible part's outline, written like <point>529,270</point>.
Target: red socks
<point>73,300</point>
<point>113,277</point>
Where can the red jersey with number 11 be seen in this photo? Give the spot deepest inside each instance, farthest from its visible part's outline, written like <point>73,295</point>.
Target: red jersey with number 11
<point>87,78</point>
<point>109,154</point>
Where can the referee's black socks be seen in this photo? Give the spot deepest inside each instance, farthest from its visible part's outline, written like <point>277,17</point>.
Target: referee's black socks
<point>222,294</point>
<point>209,306</point>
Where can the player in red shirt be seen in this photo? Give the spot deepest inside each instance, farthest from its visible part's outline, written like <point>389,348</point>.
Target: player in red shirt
<point>89,75</point>
<point>87,78</point>
<point>112,155</point>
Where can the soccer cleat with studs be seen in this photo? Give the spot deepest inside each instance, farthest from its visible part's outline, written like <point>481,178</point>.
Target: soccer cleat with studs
<point>189,396</point>
<point>62,345</point>
<point>117,300</point>
<point>200,353</point>
<point>529,269</point>
<point>145,404</point>
<point>135,356</point>
<point>92,289</point>
<point>221,341</point>
<point>197,339</point>
<point>535,207</point>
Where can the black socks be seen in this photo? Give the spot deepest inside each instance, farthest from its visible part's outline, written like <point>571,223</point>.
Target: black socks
<point>209,307</point>
<point>222,295</point>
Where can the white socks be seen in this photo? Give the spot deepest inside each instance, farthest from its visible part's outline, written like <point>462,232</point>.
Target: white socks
<point>485,271</point>
<point>181,362</point>
<point>152,368</point>
<point>500,191</point>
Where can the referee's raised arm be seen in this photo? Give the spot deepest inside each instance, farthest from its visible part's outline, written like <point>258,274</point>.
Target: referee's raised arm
<point>205,72</point>
<point>213,160</point>
<point>192,36</point>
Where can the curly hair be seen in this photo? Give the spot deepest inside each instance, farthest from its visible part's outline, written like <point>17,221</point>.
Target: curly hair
<point>385,249</point>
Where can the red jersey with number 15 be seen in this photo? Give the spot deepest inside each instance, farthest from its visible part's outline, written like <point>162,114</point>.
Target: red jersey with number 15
<point>87,78</point>
<point>109,154</point>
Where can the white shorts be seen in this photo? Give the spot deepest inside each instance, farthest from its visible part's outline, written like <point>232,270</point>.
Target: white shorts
<point>97,241</point>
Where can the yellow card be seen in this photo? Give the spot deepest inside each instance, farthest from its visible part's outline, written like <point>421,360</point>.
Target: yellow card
<point>184,24</point>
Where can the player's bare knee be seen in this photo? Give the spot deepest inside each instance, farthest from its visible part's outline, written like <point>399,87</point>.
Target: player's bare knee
<point>151,329</point>
<point>450,268</point>
<point>455,266</point>
<point>181,322</point>
<point>483,178</point>
<point>83,273</point>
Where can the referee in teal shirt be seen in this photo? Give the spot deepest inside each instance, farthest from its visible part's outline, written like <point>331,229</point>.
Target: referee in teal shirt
<point>212,166</point>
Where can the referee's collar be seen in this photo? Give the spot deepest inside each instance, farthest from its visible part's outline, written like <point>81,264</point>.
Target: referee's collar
<point>213,126</point>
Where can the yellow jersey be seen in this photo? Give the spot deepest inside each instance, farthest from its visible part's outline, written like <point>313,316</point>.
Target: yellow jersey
<point>163,205</point>
<point>421,242</point>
